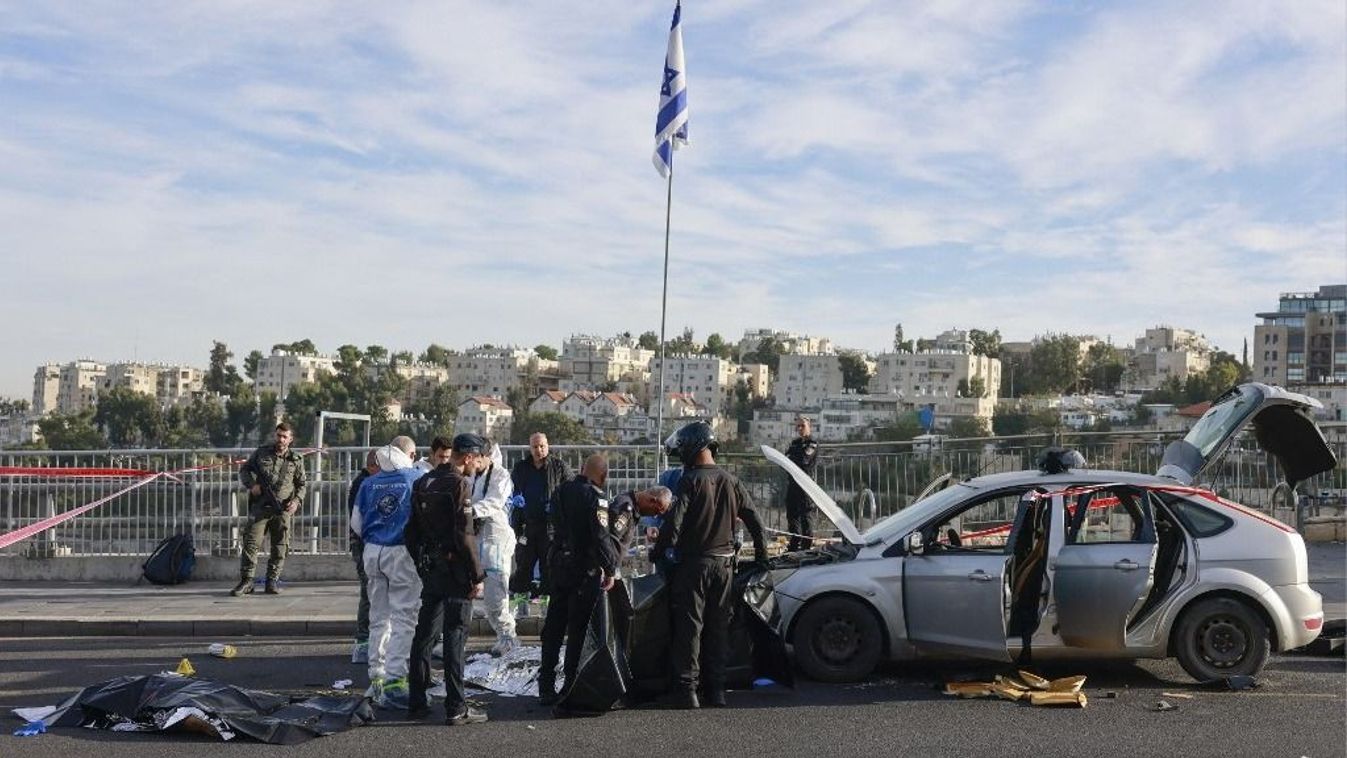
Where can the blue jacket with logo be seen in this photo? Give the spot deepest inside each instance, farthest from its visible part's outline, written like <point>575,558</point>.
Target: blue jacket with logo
<point>385,505</point>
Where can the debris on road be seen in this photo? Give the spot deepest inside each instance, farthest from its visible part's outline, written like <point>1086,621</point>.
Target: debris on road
<point>185,668</point>
<point>342,684</point>
<point>160,703</point>
<point>1177,695</point>
<point>31,729</point>
<point>1236,683</point>
<point>1025,686</point>
<point>221,650</point>
<point>1163,705</point>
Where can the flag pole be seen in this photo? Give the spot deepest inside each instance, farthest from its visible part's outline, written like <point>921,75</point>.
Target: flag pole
<point>663,312</point>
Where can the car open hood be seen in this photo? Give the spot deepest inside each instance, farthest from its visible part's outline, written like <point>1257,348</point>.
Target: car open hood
<point>816,493</point>
<point>1282,425</point>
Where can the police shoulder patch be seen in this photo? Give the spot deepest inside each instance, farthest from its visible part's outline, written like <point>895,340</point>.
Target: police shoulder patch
<point>601,514</point>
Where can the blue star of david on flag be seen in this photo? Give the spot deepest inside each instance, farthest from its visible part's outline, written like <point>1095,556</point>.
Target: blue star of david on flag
<point>671,124</point>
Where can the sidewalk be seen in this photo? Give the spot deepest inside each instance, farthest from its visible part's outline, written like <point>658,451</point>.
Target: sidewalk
<point>205,609</point>
<point>196,609</point>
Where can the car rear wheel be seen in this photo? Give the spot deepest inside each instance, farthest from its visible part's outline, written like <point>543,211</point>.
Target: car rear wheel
<point>1221,637</point>
<point>837,639</point>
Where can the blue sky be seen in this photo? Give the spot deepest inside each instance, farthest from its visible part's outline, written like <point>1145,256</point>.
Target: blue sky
<point>463,172</point>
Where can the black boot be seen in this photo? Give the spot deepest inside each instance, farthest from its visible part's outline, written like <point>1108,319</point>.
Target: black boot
<point>714,698</point>
<point>684,700</point>
<point>272,587</point>
<point>547,691</point>
<point>244,587</point>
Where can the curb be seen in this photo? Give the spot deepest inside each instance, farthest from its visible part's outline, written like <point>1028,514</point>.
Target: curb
<point>77,627</point>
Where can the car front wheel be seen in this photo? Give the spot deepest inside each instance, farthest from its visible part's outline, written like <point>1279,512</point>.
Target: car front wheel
<point>837,639</point>
<point>1221,637</point>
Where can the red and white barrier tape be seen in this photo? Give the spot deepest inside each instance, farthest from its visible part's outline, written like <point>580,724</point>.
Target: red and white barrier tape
<point>23,533</point>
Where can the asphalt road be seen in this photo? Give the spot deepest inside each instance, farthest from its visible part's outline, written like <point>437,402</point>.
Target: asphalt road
<point>1299,709</point>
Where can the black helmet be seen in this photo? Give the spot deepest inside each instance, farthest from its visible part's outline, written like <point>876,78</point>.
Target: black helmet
<point>690,440</point>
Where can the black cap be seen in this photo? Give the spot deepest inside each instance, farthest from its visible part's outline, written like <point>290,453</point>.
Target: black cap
<point>470,443</point>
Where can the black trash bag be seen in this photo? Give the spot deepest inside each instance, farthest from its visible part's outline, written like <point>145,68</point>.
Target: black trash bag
<point>651,630</point>
<point>602,678</point>
<point>640,615</point>
<point>150,701</point>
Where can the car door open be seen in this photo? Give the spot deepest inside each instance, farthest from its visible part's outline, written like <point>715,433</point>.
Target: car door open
<point>956,588</point>
<point>1106,566</point>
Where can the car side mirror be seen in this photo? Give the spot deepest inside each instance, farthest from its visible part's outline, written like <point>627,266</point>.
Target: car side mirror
<point>914,543</point>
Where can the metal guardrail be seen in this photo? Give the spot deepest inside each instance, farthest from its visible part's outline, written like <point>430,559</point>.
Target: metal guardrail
<point>868,480</point>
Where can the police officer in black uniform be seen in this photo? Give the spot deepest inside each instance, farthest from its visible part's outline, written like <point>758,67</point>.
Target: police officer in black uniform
<point>803,452</point>
<point>582,561</point>
<point>699,529</point>
<point>441,541</point>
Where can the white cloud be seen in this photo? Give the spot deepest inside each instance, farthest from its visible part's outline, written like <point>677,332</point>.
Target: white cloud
<point>260,172</point>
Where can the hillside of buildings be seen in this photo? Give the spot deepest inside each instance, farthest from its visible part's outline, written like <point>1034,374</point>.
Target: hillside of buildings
<point>607,389</point>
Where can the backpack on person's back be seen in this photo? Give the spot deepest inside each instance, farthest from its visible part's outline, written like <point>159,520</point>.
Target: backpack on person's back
<point>171,561</point>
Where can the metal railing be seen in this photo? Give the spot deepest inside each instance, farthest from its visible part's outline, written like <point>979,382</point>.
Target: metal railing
<point>868,480</point>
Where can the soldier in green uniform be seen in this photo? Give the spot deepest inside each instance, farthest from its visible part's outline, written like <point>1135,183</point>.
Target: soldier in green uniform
<point>274,478</point>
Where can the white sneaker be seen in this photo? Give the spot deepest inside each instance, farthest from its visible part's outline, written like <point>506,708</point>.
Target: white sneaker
<point>503,646</point>
<point>360,652</point>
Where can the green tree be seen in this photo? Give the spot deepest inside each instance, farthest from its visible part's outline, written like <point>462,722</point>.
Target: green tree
<point>717,347</point>
<point>855,372</point>
<point>925,345</point>
<point>977,387</point>
<point>768,352</point>
<point>221,376</point>
<point>967,426</point>
<point>241,415</point>
<point>648,341</point>
<point>985,343</point>
<point>683,344</point>
<point>1054,365</point>
<point>251,363</point>
<point>301,347</point>
<point>904,428</point>
<point>437,355</point>
<point>10,407</point>
<point>440,410</point>
<point>546,352</point>
<point>376,355</point>
<point>401,358</point>
<point>1009,422</point>
<point>129,418</point>
<point>75,431</point>
<point>1103,366</point>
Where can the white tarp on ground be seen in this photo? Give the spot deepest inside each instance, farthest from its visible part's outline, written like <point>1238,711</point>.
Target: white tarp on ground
<point>514,674</point>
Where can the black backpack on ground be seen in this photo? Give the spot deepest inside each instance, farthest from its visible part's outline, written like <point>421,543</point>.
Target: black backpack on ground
<point>171,561</point>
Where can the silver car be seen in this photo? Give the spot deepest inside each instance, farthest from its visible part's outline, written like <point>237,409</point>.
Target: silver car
<point>1069,562</point>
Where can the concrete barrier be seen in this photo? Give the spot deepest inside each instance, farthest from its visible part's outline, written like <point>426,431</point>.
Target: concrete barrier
<point>1326,529</point>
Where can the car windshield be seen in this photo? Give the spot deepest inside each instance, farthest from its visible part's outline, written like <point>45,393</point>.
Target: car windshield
<point>934,501</point>
<point>1215,425</point>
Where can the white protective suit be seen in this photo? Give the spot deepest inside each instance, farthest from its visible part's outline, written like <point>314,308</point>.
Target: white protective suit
<point>495,542</point>
<point>393,585</point>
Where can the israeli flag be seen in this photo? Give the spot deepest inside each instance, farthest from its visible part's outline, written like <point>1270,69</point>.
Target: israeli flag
<point>671,125</point>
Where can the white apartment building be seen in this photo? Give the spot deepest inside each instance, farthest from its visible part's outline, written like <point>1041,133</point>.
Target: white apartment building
<point>576,405</point>
<point>757,377</point>
<point>612,404</point>
<point>852,416</point>
<point>422,380</point>
<point>803,381</point>
<point>282,370</point>
<point>629,428</point>
<point>488,416</point>
<point>775,426</point>
<point>791,343</point>
<point>707,378</point>
<point>548,401</point>
<point>495,371</point>
<point>78,387</point>
<point>179,384</point>
<point>590,362</point>
<point>46,388</point>
<point>1164,352</point>
<point>138,377</point>
<point>934,374</point>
